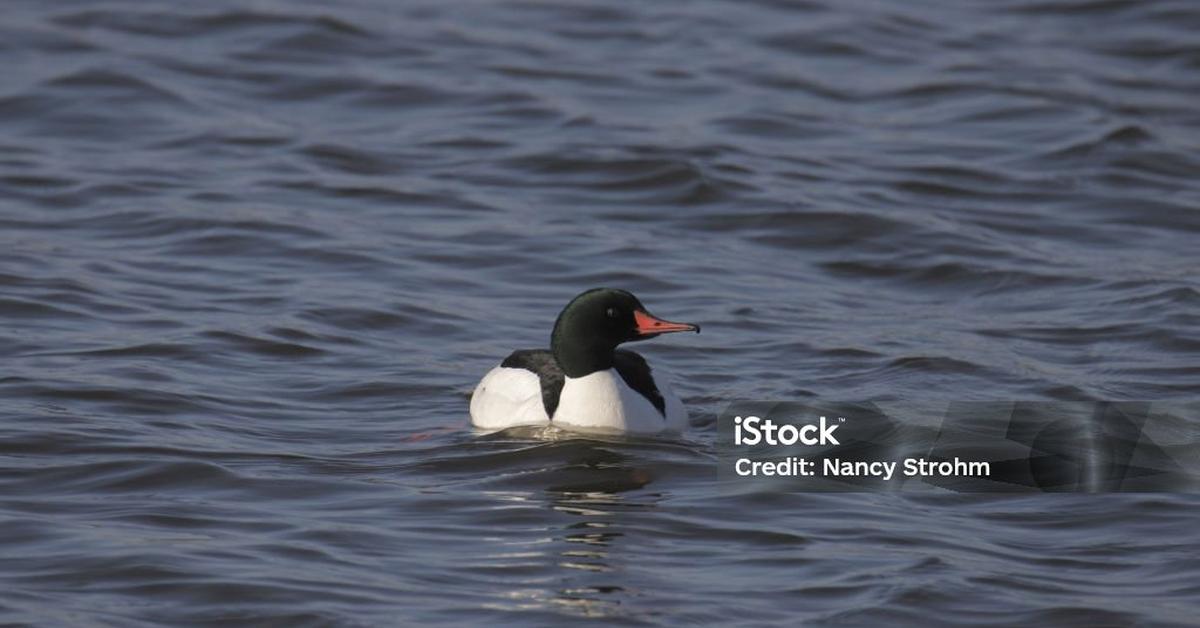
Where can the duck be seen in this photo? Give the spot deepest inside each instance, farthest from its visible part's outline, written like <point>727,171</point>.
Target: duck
<point>584,383</point>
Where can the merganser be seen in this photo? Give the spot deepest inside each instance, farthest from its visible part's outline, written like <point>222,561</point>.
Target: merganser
<point>584,383</point>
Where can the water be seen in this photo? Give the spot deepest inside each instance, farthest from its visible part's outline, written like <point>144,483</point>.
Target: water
<point>254,256</point>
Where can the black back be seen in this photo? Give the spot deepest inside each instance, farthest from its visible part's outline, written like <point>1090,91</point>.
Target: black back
<point>631,367</point>
<point>636,373</point>
<point>542,364</point>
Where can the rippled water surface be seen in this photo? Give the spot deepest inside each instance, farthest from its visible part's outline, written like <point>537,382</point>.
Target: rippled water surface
<point>254,256</point>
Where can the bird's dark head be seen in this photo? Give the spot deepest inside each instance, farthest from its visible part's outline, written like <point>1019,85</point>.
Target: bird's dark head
<point>591,326</point>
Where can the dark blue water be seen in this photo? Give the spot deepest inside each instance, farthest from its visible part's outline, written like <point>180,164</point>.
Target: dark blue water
<point>254,256</point>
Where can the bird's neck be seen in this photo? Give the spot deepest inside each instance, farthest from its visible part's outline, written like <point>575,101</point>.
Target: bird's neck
<point>579,355</point>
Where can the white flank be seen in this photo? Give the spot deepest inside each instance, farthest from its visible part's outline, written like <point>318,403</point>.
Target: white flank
<point>508,397</point>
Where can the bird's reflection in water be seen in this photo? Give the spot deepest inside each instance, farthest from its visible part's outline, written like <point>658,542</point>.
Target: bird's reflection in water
<point>580,564</point>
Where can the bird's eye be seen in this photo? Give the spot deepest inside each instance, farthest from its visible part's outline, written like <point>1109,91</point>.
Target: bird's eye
<point>611,312</point>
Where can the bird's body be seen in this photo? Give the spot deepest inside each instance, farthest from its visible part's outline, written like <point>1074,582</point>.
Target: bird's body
<point>584,382</point>
<point>532,390</point>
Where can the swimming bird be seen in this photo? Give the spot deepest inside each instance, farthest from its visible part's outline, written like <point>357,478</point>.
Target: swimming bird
<point>584,382</point>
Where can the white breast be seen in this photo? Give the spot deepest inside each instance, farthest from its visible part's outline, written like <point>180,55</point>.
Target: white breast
<point>603,402</point>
